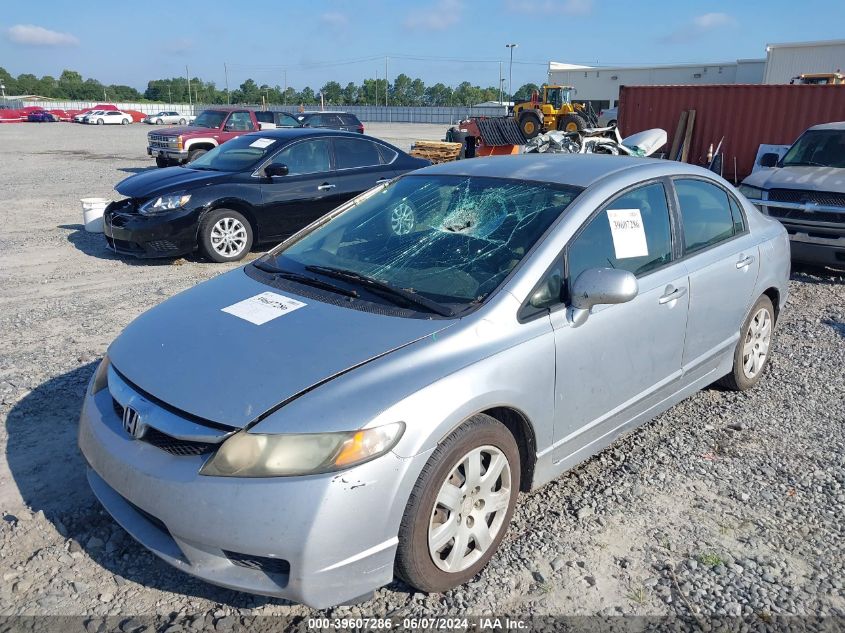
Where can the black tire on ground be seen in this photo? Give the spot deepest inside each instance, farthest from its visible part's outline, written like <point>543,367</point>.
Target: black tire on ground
<point>207,226</point>
<point>611,122</point>
<point>195,154</point>
<point>738,379</point>
<point>414,563</point>
<point>162,162</point>
<point>181,121</point>
<point>529,124</point>
<point>571,123</point>
<point>159,122</point>
<point>125,122</point>
<point>100,122</point>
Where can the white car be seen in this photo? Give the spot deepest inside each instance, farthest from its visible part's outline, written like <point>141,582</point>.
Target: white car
<point>108,117</point>
<point>80,118</point>
<point>608,117</point>
<point>168,117</point>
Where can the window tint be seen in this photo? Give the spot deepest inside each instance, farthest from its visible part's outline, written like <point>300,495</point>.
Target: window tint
<point>285,120</point>
<point>240,121</point>
<point>315,120</point>
<point>736,212</point>
<point>387,155</point>
<point>349,119</point>
<point>353,152</point>
<point>705,213</point>
<point>632,234</point>
<point>305,157</point>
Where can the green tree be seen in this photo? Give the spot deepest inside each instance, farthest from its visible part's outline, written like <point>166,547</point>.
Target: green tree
<point>307,96</point>
<point>438,95</point>
<point>332,92</point>
<point>350,94</point>
<point>524,92</point>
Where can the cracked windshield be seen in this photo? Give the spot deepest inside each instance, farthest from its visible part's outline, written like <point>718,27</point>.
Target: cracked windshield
<point>449,239</point>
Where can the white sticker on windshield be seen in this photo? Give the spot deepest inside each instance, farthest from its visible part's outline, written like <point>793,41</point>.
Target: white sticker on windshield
<point>626,227</point>
<point>264,307</point>
<point>261,143</point>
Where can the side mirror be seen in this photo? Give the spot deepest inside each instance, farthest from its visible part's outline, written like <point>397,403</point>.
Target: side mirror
<point>275,169</point>
<point>600,286</point>
<point>769,159</point>
<point>548,294</point>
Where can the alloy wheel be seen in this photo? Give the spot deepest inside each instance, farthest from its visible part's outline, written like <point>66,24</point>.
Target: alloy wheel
<point>402,219</point>
<point>470,509</point>
<point>228,237</point>
<point>758,338</point>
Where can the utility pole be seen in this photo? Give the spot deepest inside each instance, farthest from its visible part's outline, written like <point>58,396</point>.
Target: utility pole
<point>500,83</point>
<point>285,93</point>
<point>386,81</point>
<point>376,87</point>
<point>169,95</point>
<point>510,72</point>
<point>104,95</point>
<point>188,77</point>
<point>226,74</point>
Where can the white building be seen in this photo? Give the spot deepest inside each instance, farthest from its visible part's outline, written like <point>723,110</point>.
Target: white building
<point>600,84</point>
<point>785,61</point>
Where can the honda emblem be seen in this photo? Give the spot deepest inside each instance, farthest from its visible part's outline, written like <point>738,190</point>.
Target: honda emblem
<point>132,422</point>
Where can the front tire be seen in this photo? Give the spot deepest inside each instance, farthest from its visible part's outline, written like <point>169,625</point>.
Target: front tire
<point>125,122</point>
<point>159,122</point>
<point>751,355</point>
<point>182,121</point>
<point>162,162</point>
<point>461,506</point>
<point>195,154</point>
<point>225,236</point>
<point>100,122</point>
<point>530,125</point>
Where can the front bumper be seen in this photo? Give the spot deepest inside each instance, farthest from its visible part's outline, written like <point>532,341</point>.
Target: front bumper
<point>167,152</point>
<point>333,537</point>
<point>128,232</point>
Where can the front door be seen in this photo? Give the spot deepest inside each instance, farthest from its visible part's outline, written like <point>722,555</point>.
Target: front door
<point>722,259</point>
<point>626,358</point>
<point>306,193</point>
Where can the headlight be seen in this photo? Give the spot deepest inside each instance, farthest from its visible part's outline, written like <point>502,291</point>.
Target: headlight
<point>165,203</point>
<point>280,455</point>
<point>753,193</point>
<point>101,376</point>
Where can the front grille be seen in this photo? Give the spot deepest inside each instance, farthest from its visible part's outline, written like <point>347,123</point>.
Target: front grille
<point>798,196</point>
<point>162,246</point>
<point>168,443</point>
<point>797,215</point>
<point>259,563</point>
<point>159,141</point>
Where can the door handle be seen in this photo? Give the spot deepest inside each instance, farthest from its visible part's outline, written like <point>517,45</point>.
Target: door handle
<point>746,261</point>
<point>381,181</point>
<point>325,187</point>
<point>671,295</point>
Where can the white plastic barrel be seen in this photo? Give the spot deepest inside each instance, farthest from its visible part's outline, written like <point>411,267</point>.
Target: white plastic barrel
<point>92,213</point>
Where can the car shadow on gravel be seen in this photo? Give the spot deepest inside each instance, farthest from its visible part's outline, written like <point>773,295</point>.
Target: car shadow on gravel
<point>49,472</point>
<point>94,244</point>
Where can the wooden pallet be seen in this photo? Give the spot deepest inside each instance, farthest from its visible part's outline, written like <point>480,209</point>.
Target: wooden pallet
<point>437,151</point>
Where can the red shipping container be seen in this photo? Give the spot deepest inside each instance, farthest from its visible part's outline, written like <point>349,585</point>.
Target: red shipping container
<point>745,115</point>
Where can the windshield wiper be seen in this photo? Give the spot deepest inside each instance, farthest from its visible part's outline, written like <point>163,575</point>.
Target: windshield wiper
<point>381,287</point>
<point>303,279</point>
<point>804,163</point>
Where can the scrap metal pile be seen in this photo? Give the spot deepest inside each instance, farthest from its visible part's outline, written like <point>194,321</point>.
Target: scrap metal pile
<point>606,140</point>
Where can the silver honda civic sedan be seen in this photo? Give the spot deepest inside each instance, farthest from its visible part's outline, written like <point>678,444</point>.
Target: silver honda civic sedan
<point>367,399</point>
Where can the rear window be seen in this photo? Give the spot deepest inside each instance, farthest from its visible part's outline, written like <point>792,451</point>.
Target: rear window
<point>353,152</point>
<point>349,119</point>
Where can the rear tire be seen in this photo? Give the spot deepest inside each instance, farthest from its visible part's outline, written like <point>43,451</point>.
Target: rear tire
<point>751,356</point>
<point>454,505</point>
<point>195,154</point>
<point>225,236</point>
<point>571,123</point>
<point>530,125</point>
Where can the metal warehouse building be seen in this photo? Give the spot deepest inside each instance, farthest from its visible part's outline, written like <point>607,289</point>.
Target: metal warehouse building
<point>600,84</point>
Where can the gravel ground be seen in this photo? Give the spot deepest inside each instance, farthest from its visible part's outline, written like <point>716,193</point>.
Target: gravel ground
<point>728,504</point>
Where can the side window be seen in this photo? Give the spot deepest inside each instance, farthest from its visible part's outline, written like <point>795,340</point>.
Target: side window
<point>387,155</point>
<point>705,214</point>
<point>240,121</point>
<point>348,120</point>
<point>305,157</point>
<point>736,212</point>
<point>633,233</point>
<point>352,152</point>
<point>315,121</point>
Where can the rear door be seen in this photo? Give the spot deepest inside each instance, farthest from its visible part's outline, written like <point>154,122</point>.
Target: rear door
<point>359,165</point>
<point>722,259</point>
<point>307,192</point>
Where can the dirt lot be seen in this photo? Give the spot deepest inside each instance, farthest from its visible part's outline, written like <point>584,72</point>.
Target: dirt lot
<point>729,504</point>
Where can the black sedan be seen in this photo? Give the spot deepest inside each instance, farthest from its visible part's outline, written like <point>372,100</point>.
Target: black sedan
<point>260,187</point>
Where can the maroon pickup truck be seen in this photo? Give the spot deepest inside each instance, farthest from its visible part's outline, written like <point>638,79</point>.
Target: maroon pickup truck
<point>184,143</point>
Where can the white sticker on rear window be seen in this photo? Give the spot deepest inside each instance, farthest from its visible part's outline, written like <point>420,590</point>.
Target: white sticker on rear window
<point>626,228</point>
<point>261,143</point>
<point>264,307</point>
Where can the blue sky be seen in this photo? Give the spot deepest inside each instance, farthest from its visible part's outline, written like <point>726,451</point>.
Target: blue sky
<point>438,40</point>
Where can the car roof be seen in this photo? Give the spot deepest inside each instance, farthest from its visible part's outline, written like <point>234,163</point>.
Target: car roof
<point>833,125</point>
<point>302,132</point>
<point>580,170</point>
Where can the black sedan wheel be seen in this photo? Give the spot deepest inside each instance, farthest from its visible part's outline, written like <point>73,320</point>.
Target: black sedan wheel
<point>225,236</point>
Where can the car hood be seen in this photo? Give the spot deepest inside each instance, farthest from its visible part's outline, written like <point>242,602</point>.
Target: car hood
<point>178,130</point>
<point>153,181</point>
<point>807,178</point>
<point>191,355</point>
